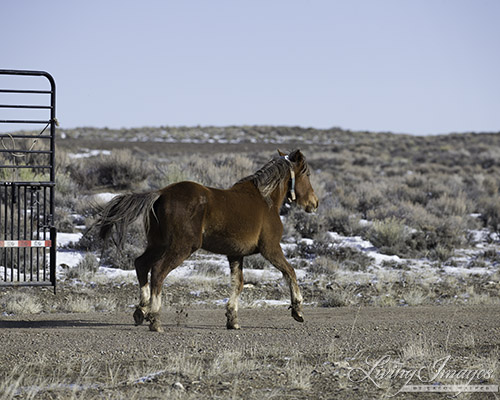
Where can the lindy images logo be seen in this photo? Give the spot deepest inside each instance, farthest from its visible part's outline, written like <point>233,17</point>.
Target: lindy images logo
<point>395,376</point>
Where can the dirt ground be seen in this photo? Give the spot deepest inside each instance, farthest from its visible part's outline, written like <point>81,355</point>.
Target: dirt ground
<point>337,353</point>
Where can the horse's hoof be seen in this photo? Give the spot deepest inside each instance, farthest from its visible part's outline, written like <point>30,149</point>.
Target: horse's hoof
<point>232,326</point>
<point>138,316</point>
<point>155,326</point>
<point>297,316</point>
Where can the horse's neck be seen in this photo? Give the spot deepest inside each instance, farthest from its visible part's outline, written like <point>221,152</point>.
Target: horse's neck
<point>278,196</point>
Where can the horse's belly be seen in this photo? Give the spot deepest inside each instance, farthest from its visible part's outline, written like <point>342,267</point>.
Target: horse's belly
<point>228,246</point>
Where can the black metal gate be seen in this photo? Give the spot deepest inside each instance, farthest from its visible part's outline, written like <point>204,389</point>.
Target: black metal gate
<point>27,178</point>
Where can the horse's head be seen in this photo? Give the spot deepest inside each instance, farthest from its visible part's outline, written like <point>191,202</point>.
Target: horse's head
<point>301,186</point>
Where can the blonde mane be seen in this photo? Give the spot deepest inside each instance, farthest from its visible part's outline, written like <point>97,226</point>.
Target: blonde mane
<point>272,175</point>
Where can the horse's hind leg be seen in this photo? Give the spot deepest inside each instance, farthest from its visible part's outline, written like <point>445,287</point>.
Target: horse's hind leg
<point>170,261</point>
<point>236,265</point>
<point>144,264</point>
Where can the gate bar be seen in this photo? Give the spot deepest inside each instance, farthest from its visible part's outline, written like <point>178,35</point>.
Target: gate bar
<point>21,121</point>
<point>24,106</point>
<point>22,136</point>
<point>25,91</point>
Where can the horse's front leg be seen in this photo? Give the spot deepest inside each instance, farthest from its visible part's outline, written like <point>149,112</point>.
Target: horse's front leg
<point>236,265</point>
<point>276,257</point>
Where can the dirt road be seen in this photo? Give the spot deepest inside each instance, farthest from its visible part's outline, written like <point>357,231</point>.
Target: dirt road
<point>329,356</point>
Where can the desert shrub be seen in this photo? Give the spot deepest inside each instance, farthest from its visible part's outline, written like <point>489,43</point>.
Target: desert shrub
<point>351,259</point>
<point>168,173</point>
<point>491,185</point>
<point>64,221</point>
<point>290,234</point>
<point>209,269</point>
<point>370,197</point>
<point>490,213</point>
<point>121,257</point>
<point>400,192</point>
<point>305,224</point>
<point>120,170</point>
<point>321,245</point>
<point>86,268</point>
<point>441,253</point>
<point>65,191</point>
<point>323,265</point>
<point>415,215</point>
<point>340,220</point>
<point>450,232</point>
<point>343,195</point>
<point>318,182</point>
<point>391,236</point>
<point>345,257</point>
<point>448,205</point>
<point>221,171</point>
<point>255,262</point>
<point>416,181</point>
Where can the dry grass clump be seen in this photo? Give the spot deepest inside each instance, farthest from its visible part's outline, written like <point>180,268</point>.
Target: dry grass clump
<point>83,303</point>
<point>338,297</point>
<point>421,348</point>
<point>415,297</point>
<point>21,303</point>
<point>324,265</point>
<point>78,304</point>
<point>85,269</point>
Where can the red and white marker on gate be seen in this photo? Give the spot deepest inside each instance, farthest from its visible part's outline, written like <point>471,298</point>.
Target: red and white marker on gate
<point>25,243</point>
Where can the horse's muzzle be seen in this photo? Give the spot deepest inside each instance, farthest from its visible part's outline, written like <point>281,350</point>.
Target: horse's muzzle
<point>312,206</point>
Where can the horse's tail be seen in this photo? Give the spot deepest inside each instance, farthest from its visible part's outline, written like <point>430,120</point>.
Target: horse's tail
<point>123,210</point>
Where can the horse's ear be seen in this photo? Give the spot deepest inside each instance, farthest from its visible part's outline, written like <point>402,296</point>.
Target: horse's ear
<point>296,156</point>
<point>281,153</point>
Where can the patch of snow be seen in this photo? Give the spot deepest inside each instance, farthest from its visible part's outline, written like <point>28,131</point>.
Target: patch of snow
<point>221,302</point>
<point>65,239</point>
<point>271,303</point>
<point>69,258</point>
<point>358,243</point>
<point>115,273</point>
<point>89,153</point>
<point>460,271</point>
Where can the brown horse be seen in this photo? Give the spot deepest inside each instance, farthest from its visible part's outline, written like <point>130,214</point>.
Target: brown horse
<point>186,216</point>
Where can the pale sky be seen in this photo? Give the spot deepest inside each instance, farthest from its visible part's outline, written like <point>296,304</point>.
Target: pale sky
<point>420,67</point>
